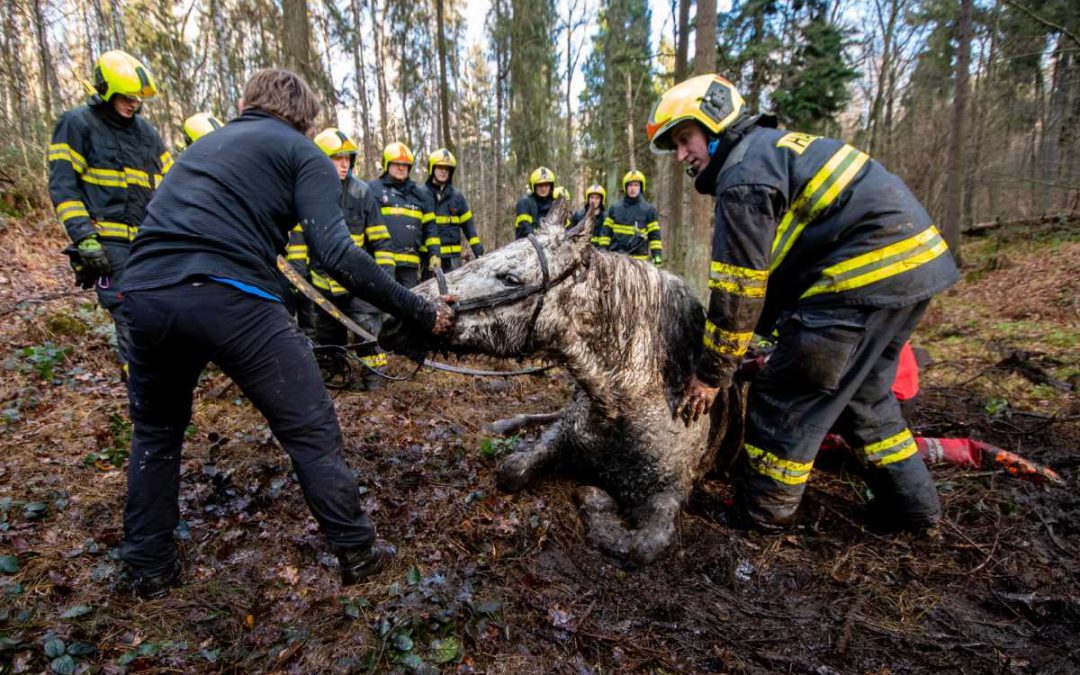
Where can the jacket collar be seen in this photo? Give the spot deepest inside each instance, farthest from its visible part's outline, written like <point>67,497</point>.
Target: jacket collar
<point>705,182</point>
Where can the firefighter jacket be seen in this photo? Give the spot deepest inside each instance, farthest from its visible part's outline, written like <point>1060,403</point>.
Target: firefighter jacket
<point>528,213</point>
<point>805,222</point>
<point>408,212</point>
<point>631,227</point>
<point>598,223</point>
<point>364,220</point>
<point>103,168</point>
<point>454,220</point>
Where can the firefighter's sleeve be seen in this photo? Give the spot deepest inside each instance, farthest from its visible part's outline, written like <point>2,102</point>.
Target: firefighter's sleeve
<point>315,195</point>
<point>652,232</point>
<point>468,228</point>
<point>602,236</point>
<point>431,229</point>
<point>744,227</point>
<point>164,160</point>
<point>376,234</point>
<point>523,220</point>
<point>67,163</point>
<point>296,251</point>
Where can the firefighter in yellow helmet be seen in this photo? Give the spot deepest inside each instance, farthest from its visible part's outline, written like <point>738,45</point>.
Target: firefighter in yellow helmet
<point>533,207</point>
<point>105,161</point>
<point>452,213</point>
<point>817,241</point>
<point>199,125</point>
<point>408,212</point>
<point>365,222</point>
<point>632,225</point>
<point>596,208</point>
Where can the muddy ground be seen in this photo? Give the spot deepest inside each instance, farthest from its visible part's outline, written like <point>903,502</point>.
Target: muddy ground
<point>487,582</point>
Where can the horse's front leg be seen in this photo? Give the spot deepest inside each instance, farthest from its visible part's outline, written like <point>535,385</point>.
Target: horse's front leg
<point>656,526</point>
<point>520,468</point>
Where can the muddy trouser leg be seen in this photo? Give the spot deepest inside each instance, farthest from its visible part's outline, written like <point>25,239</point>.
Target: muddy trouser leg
<point>873,425</point>
<point>822,358</point>
<point>109,296</point>
<point>368,317</point>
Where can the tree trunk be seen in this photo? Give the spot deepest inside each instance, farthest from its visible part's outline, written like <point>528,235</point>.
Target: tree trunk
<point>380,72</point>
<point>699,234</point>
<point>954,160</point>
<point>363,129</point>
<point>675,228</point>
<point>444,89</point>
<point>50,87</point>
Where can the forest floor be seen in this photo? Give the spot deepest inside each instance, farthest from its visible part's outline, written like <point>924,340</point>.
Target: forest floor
<point>489,582</point>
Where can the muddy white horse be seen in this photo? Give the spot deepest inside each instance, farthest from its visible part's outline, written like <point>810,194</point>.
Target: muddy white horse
<point>629,335</point>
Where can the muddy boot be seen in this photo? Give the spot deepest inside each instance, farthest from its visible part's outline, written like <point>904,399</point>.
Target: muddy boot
<point>358,565</point>
<point>156,586</point>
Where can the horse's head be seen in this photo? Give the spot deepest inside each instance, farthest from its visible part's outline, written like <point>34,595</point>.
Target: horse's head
<point>501,294</point>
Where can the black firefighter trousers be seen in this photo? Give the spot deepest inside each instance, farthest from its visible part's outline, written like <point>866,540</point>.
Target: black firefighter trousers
<point>833,369</point>
<point>175,332</point>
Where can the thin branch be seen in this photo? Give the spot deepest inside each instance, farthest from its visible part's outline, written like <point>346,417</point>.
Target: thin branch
<point>1046,22</point>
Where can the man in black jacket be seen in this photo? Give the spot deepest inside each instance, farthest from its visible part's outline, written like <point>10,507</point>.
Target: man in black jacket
<point>202,286</point>
<point>105,161</point>
<point>818,241</point>
<point>534,207</point>
<point>632,225</point>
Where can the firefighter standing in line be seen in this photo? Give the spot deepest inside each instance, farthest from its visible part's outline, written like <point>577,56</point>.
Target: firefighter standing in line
<point>202,286</point>
<point>364,220</point>
<point>596,207</point>
<point>532,208</point>
<point>104,163</point>
<point>816,239</point>
<point>453,216</point>
<point>632,225</point>
<point>408,212</point>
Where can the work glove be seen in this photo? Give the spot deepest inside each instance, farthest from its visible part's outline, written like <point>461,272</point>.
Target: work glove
<point>93,256</point>
<point>477,251</point>
<point>435,263</point>
<point>658,260</point>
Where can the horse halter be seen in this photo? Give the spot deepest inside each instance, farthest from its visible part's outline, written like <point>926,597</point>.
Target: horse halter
<point>512,295</point>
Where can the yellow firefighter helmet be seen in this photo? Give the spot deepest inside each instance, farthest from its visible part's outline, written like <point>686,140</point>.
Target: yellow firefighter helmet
<point>198,125</point>
<point>333,141</point>
<point>118,72</point>
<point>709,100</point>
<point>633,176</point>
<point>397,153</point>
<point>541,175</point>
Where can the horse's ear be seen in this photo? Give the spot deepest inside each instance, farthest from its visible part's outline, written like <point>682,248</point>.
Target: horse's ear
<point>558,216</point>
<point>581,234</point>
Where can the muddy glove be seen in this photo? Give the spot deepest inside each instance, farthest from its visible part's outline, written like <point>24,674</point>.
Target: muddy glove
<point>93,256</point>
<point>658,260</point>
<point>478,250</point>
<point>435,263</point>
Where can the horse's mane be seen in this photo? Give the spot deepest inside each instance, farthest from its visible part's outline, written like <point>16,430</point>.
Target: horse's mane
<point>649,319</point>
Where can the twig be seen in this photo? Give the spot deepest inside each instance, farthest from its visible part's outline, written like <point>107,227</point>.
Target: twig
<point>1046,22</point>
<point>993,548</point>
<point>849,620</point>
<point>41,298</point>
<point>1050,531</point>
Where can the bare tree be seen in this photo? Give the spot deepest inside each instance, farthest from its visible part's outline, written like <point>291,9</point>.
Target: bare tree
<point>954,160</point>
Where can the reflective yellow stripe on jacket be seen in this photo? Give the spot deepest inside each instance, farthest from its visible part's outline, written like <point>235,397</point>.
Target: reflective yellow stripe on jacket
<point>819,194</point>
<point>72,209</point>
<point>887,261</point>
<point>121,179</point>
<point>738,280</point>
<point>327,284</point>
<point>110,230</point>
<point>65,153</point>
<point>725,341</point>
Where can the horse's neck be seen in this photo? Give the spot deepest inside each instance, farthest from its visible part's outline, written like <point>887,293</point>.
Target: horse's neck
<point>609,335</point>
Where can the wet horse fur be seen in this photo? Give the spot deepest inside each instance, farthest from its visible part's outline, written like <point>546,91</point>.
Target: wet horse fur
<point>629,334</point>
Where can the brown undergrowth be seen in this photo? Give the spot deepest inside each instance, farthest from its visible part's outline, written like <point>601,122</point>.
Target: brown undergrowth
<point>487,582</point>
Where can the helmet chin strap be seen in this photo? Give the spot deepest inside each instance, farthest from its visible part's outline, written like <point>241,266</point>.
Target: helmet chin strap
<point>713,145</point>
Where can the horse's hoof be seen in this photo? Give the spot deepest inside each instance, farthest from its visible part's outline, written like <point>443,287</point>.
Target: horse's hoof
<point>593,499</point>
<point>644,551</point>
<point>513,473</point>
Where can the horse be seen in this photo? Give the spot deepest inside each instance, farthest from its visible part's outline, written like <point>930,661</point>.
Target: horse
<point>629,335</point>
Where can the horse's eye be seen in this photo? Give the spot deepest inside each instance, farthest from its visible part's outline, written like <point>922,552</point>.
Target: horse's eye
<point>509,278</point>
